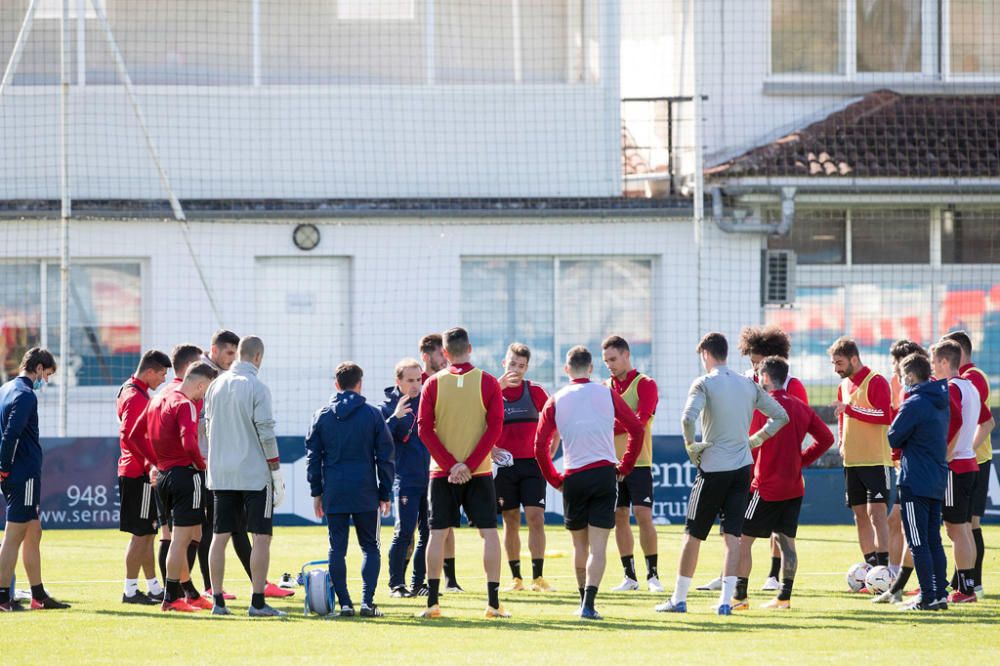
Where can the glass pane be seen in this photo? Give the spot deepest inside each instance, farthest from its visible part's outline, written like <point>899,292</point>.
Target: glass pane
<point>818,237</point>
<point>890,236</point>
<point>40,58</point>
<point>880,315</point>
<point>889,35</point>
<point>20,314</point>
<point>104,321</point>
<point>600,297</point>
<point>510,300</point>
<point>544,40</point>
<point>975,308</point>
<point>971,237</point>
<point>474,41</point>
<point>975,25</point>
<point>805,36</point>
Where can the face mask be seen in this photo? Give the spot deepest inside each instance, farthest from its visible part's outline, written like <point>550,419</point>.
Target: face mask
<point>39,384</point>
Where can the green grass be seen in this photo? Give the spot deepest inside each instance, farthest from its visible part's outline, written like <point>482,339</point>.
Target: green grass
<point>826,624</point>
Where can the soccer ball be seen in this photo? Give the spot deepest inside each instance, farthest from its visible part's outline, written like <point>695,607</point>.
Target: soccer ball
<point>856,576</point>
<point>878,580</point>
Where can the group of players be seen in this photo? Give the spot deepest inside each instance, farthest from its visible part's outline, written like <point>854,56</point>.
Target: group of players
<point>449,438</point>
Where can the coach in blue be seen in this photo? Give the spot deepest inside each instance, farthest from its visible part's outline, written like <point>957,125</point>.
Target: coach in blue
<point>413,461</point>
<point>920,429</point>
<point>21,477</point>
<point>349,458</point>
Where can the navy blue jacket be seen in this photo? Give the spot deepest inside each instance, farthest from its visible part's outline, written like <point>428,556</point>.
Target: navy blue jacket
<point>413,460</point>
<point>349,455</point>
<point>920,429</point>
<point>20,448</point>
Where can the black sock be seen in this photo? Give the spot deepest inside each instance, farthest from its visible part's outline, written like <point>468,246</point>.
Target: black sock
<point>243,548</point>
<point>219,600</point>
<point>192,554</point>
<point>901,580</point>
<point>651,566</point>
<point>5,595</point>
<point>172,590</point>
<point>628,562</point>
<point>203,548</point>
<point>433,588</point>
<point>882,559</point>
<point>582,591</point>
<point>449,571</point>
<point>589,595</point>
<point>515,568</point>
<point>164,548</point>
<point>189,589</point>
<point>954,580</point>
<point>786,589</point>
<point>870,558</point>
<point>257,600</point>
<point>775,567</point>
<point>977,536</point>
<point>966,577</point>
<point>536,567</point>
<point>741,588</point>
<point>38,592</point>
<point>493,594</point>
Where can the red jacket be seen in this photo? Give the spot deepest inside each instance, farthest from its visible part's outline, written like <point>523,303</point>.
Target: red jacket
<point>777,471</point>
<point>137,455</point>
<point>171,423</point>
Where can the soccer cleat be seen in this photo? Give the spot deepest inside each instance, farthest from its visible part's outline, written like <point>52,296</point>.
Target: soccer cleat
<point>590,614</point>
<point>430,613</point>
<point>178,606</point>
<point>772,584</point>
<point>912,593</point>
<point>273,591</point>
<point>48,603</point>
<point>454,587</point>
<point>517,585</point>
<point>941,604</point>
<point>917,606</point>
<point>670,607</point>
<point>627,585</point>
<point>221,610</point>
<point>980,594</point>
<point>200,602</point>
<point>777,604</point>
<point>371,611</point>
<point>10,607</point>
<point>500,613</point>
<point>541,585</point>
<point>346,611</point>
<point>158,597</point>
<point>713,585</point>
<point>421,590</point>
<point>740,604</point>
<point>654,585</point>
<point>724,609</point>
<point>266,611</point>
<point>888,597</point>
<point>400,592</point>
<point>139,599</point>
<point>225,595</point>
<point>958,597</point>
<point>287,582</point>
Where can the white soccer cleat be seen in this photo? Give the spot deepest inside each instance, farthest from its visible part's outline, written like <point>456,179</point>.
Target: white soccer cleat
<point>627,585</point>
<point>653,583</point>
<point>772,584</point>
<point>713,585</point>
<point>888,597</point>
<point>980,594</point>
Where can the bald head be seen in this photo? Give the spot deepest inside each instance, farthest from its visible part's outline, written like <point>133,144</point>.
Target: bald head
<point>251,349</point>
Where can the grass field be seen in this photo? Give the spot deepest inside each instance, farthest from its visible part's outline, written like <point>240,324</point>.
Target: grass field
<point>826,624</point>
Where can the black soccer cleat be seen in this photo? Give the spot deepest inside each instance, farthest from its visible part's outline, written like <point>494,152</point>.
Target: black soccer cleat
<point>400,592</point>
<point>157,598</point>
<point>48,603</point>
<point>139,599</point>
<point>371,611</point>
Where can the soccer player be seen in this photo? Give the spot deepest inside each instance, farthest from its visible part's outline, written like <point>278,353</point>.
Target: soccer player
<point>21,478</point>
<point>984,452</point>
<point>725,401</point>
<point>964,435</point>
<point>138,508</point>
<point>412,474</point>
<point>636,490</point>
<point>171,422</point>
<point>244,470</point>
<point>864,411</point>
<point>432,355</point>
<point>460,419</point>
<point>920,431</point>
<point>586,414</point>
<point>777,483</point>
<point>350,472</point>
<point>521,484</point>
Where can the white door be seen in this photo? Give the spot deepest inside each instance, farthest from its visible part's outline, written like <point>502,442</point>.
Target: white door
<point>303,316</point>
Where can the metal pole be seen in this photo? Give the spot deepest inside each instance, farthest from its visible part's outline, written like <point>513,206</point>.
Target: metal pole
<point>699,182</point>
<point>22,38</point>
<point>64,223</point>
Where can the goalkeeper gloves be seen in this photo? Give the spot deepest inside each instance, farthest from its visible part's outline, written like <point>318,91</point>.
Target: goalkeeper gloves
<point>278,486</point>
<point>694,451</point>
<point>758,439</point>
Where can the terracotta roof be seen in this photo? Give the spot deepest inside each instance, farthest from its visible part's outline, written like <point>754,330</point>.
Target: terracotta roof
<point>886,135</point>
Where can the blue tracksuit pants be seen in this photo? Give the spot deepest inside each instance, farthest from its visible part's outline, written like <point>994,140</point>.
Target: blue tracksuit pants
<point>366,527</point>
<point>922,527</point>
<point>411,515</point>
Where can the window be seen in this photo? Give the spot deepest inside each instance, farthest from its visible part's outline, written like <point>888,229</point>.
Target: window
<point>890,236</point>
<point>970,237</point>
<point>104,317</point>
<point>818,237</point>
<point>975,308</point>
<point>888,35</point>
<point>805,36</point>
<point>553,304</point>
<point>816,320</point>
<point>974,28</point>
<point>375,10</point>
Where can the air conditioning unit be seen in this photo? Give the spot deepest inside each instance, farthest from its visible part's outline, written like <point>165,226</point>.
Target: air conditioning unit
<point>778,277</point>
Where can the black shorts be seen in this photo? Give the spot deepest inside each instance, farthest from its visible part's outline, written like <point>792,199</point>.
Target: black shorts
<point>182,491</point>
<point>23,498</point>
<point>589,498</point>
<point>636,489</point>
<point>138,513</point>
<point>957,506</point>
<point>447,501</point>
<point>982,489</point>
<point>521,484</point>
<point>244,510</point>
<point>867,484</point>
<point>718,494</point>
<point>764,518</point>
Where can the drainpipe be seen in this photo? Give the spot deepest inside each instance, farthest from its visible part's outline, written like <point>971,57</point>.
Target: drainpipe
<point>747,222</point>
